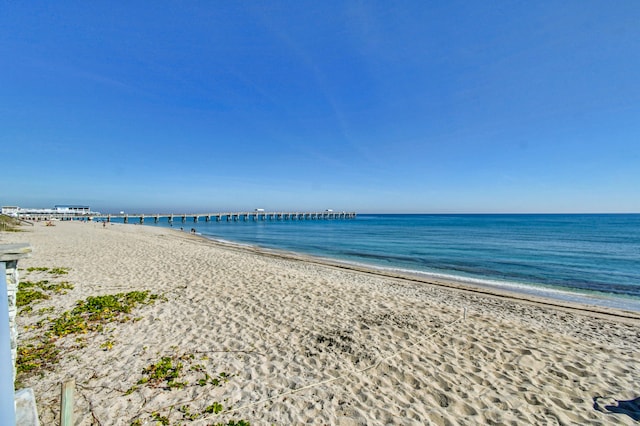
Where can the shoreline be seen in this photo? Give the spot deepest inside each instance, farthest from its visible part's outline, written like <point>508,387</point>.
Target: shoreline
<point>528,294</point>
<point>557,295</point>
<point>301,340</point>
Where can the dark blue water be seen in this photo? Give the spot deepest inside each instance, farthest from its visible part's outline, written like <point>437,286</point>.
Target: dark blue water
<point>589,258</point>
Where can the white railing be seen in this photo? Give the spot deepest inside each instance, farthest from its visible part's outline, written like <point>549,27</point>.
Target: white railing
<point>9,255</point>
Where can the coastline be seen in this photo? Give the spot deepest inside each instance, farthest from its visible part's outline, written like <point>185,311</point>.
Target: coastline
<point>280,321</point>
<point>567,268</point>
<point>525,294</point>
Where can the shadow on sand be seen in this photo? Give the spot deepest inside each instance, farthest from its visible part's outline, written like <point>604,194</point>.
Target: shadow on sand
<point>630,407</point>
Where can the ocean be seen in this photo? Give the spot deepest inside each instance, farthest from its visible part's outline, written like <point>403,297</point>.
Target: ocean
<point>588,258</point>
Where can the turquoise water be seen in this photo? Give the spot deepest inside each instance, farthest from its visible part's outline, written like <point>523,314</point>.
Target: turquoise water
<point>589,258</point>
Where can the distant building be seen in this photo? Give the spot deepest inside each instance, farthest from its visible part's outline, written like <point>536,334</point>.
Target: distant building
<point>72,209</point>
<point>10,210</point>
<point>61,211</point>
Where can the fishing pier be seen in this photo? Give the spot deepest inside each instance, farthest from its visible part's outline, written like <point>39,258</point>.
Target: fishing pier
<point>227,217</point>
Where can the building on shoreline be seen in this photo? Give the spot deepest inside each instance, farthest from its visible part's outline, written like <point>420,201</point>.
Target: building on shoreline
<point>61,211</point>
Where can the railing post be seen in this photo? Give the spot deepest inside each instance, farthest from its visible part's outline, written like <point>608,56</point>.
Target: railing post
<point>66,403</point>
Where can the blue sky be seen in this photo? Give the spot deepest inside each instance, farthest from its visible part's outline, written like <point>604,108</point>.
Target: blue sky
<point>505,106</point>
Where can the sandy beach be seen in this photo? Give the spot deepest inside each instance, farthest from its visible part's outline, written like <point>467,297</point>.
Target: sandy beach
<point>271,338</point>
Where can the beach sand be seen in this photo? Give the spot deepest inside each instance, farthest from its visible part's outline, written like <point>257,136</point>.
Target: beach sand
<point>282,339</point>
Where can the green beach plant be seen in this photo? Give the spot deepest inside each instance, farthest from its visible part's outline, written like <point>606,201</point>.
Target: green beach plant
<point>170,373</point>
<point>187,414</point>
<point>162,420</point>
<point>92,313</point>
<point>60,287</point>
<point>89,315</point>
<point>36,356</point>
<point>108,345</point>
<point>46,285</point>
<point>214,408</point>
<point>30,292</point>
<point>165,371</point>
<point>9,224</point>
<point>37,268</point>
<point>26,296</point>
<point>59,271</point>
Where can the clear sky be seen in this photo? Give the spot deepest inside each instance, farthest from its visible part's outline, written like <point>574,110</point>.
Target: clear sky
<point>370,106</point>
